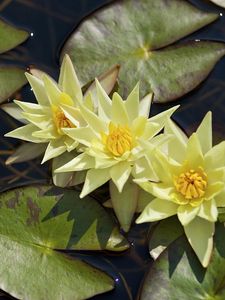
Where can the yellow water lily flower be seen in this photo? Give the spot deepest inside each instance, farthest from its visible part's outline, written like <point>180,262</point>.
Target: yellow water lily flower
<point>113,140</point>
<point>191,185</point>
<point>47,118</point>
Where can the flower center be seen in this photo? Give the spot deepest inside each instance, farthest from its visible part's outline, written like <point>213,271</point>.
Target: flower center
<point>119,139</point>
<point>191,184</point>
<point>59,118</point>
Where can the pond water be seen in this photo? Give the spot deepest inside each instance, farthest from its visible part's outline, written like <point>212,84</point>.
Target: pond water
<point>50,22</point>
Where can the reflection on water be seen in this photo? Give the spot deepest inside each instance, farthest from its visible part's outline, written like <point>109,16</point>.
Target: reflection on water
<point>49,23</point>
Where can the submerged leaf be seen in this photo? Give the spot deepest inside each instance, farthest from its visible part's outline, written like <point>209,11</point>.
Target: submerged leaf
<point>11,80</point>
<point>30,232</point>
<point>26,152</point>
<point>14,111</point>
<point>128,33</point>
<point>219,2</point>
<point>10,36</point>
<point>177,273</point>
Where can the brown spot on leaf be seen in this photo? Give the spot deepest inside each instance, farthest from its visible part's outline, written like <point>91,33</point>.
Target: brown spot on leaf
<point>13,202</point>
<point>34,211</point>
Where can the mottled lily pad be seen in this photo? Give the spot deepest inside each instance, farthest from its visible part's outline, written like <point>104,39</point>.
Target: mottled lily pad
<point>36,220</point>
<point>11,80</point>
<point>11,36</point>
<point>177,273</point>
<point>134,34</point>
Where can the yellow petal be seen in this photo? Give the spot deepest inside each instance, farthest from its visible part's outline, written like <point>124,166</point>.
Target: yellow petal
<point>52,90</point>
<point>31,107</point>
<point>156,210</point>
<point>120,174</point>
<point>70,144</point>
<point>220,199</point>
<point>104,103</point>
<point>119,113</point>
<point>215,157</point>
<point>200,235</point>
<point>55,148</point>
<point>94,179</point>
<point>204,133</point>
<point>138,126</point>
<point>74,115</point>
<point>177,145</point>
<point>83,135</point>
<point>151,129</point>
<point>79,163</point>
<point>186,213</point>
<point>93,120</point>
<point>47,134</point>
<point>208,210</point>
<point>132,103</point>
<point>145,105</point>
<point>26,133</point>
<point>124,203</point>
<point>68,80</point>
<point>194,155</point>
<point>162,117</point>
<point>160,190</point>
<point>41,121</point>
<point>213,190</point>
<point>38,89</point>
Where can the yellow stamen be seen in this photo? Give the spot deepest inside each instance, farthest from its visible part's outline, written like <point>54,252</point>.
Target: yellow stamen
<point>191,184</point>
<point>59,118</point>
<point>119,139</point>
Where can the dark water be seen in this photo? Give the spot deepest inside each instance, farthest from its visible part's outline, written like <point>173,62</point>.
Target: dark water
<point>50,22</point>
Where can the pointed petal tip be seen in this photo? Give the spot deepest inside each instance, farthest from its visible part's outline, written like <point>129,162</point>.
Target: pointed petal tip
<point>126,227</point>
<point>139,220</point>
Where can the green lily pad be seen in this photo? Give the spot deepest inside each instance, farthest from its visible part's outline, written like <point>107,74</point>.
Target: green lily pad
<point>32,225</point>
<point>11,80</point>
<point>11,36</point>
<point>163,234</point>
<point>59,219</point>
<point>130,33</point>
<point>177,273</point>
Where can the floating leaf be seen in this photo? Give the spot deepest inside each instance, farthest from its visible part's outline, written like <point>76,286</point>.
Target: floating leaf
<point>86,218</point>
<point>11,36</point>
<point>11,80</point>
<point>219,2</point>
<point>129,33</point>
<point>163,234</point>
<point>177,273</point>
<point>29,232</point>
